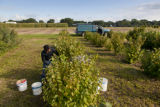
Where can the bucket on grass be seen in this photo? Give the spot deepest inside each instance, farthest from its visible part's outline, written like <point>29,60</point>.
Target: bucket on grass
<point>104,83</point>
<point>37,88</point>
<point>22,85</point>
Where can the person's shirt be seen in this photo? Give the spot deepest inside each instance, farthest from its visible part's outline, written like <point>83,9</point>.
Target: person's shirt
<point>47,56</point>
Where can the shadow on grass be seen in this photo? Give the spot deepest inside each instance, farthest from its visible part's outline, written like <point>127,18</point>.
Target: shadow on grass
<point>51,38</point>
<point>30,74</point>
<point>106,53</point>
<point>99,51</point>
<point>108,60</point>
<point>26,98</point>
<point>130,74</point>
<point>140,90</point>
<point>121,70</point>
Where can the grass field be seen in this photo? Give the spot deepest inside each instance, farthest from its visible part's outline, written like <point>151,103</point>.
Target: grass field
<point>128,86</point>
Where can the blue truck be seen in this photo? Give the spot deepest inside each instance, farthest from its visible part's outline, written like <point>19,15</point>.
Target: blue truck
<point>82,28</point>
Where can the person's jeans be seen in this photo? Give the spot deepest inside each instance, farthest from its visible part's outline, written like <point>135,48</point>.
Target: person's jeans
<point>45,65</point>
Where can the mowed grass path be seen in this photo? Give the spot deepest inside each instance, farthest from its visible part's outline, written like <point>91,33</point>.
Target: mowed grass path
<point>22,62</point>
<point>128,86</point>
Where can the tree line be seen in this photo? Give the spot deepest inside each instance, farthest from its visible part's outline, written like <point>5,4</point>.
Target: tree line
<point>122,23</point>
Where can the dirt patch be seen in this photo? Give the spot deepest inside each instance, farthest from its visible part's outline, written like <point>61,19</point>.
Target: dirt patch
<point>43,30</point>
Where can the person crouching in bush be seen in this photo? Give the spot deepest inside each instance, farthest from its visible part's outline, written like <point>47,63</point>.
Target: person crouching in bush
<point>46,56</point>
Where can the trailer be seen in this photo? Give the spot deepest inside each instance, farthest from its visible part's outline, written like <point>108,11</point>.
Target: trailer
<point>82,28</point>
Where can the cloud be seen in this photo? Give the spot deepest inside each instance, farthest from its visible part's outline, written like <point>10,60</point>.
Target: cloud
<point>19,17</point>
<point>149,11</point>
<point>150,6</point>
<point>3,19</point>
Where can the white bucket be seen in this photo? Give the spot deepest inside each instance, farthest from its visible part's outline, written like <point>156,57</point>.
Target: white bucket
<point>37,88</point>
<point>22,85</point>
<point>104,83</point>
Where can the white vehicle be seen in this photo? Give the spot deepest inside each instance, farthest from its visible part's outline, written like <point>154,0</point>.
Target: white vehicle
<point>11,22</point>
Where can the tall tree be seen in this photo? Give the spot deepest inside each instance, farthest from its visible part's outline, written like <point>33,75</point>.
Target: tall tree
<point>144,22</point>
<point>11,21</point>
<point>67,20</point>
<point>109,24</point>
<point>123,23</point>
<point>41,21</point>
<point>30,20</point>
<point>51,21</point>
<point>76,22</point>
<point>135,23</point>
<point>99,22</point>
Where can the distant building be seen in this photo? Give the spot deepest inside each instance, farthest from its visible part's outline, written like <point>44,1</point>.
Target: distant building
<point>11,22</point>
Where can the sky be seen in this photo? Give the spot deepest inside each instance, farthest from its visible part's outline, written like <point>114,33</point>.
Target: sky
<point>87,10</point>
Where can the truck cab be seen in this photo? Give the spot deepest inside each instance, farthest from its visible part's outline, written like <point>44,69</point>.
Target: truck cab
<point>82,28</point>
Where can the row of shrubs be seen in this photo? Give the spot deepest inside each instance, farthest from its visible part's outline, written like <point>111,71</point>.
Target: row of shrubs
<point>72,79</point>
<point>8,39</point>
<point>34,25</point>
<point>152,38</point>
<point>133,47</point>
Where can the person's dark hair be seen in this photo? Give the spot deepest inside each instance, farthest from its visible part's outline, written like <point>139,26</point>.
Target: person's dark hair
<point>46,47</point>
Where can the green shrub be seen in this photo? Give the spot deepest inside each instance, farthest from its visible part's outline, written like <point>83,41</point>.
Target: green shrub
<point>133,50</point>
<point>88,35</point>
<point>5,34</point>
<point>8,39</point>
<point>135,33</point>
<point>72,79</point>
<point>151,63</point>
<point>71,83</point>
<point>101,41</point>
<point>68,46</point>
<point>117,40</point>
<point>155,26</point>
<point>109,34</point>
<point>14,38</point>
<point>108,44</point>
<point>64,33</point>
<point>152,40</point>
<point>3,47</point>
<point>96,38</point>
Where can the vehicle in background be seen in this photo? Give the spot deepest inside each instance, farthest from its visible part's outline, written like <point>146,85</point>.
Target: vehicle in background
<point>11,22</point>
<point>82,28</point>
